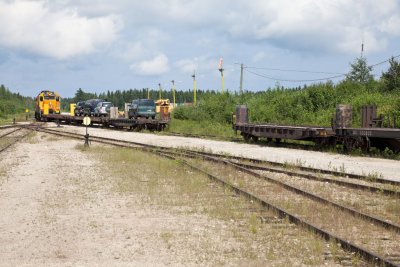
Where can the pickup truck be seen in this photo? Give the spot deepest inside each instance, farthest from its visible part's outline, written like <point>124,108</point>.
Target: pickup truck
<point>142,108</point>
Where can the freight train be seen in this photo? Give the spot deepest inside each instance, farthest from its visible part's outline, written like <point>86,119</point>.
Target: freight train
<point>48,109</point>
<point>370,134</point>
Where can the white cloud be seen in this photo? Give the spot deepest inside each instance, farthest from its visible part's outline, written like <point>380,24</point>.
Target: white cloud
<point>130,50</point>
<point>339,25</point>
<point>32,26</point>
<point>260,56</point>
<point>311,25</point>
<point>187,65</point>
<point>201,64</point>
<point>155,66</point>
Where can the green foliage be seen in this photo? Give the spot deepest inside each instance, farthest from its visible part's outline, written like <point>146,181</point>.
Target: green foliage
<point>360,71</point>
<point>212,107</point>
<point>391,77</point>
<point>13,103</point>
<point>120,97</point>
<point>201,127</point>
<point>312,105</point>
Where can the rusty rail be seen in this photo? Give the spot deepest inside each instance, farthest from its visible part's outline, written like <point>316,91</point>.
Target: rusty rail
<point>363,252</point>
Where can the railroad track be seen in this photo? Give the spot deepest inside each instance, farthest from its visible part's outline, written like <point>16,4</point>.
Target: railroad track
<point>8,126</point>
<point>381,234</point>
<point>12,137</point>
<point>205,136</point>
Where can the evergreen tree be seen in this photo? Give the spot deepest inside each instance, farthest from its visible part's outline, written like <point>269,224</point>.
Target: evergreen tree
<point>391,78</point>
<point>360,71</point>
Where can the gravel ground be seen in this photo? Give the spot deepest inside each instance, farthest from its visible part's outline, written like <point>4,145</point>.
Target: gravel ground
<point>388,169</point>
<point>60,207</point>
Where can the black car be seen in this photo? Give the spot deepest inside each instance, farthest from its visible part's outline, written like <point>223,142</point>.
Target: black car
<point>90,105</point>
<point>78,111</point>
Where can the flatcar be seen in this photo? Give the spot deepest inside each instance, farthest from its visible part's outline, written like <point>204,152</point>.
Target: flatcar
<point>341,132</point>
<point>47,102</point>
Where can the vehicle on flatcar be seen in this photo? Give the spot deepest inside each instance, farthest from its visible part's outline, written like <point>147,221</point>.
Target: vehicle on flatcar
<point>142,108</point>
<point>78,111</point>
<point>90,105</point>
<point>47,102</point>
<point>103,109</point>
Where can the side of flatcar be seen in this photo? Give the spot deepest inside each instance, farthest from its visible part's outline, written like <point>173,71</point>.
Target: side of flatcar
<point>372,134</point>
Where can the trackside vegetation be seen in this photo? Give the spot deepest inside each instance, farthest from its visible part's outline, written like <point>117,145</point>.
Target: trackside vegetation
<point>13,104</point>
<point>308,105</point>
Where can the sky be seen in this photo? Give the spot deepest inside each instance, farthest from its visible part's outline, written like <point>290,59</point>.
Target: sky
<point>97,45</point>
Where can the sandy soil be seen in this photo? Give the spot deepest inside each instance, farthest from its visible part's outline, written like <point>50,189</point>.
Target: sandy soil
<point>388,169</point>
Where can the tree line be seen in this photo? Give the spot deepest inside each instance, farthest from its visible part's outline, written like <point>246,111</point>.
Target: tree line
<point>288,103</point>
<point>120,97</point>
<point>13,103</point>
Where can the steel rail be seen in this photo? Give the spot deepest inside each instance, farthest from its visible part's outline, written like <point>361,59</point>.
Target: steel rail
<point>349,246</point>
<point>309,176</point>
<point>309,169</point>
<point>353,212</point>
<point>302,168</point>
<point>8,126</point>
<point>312,177</point>
<point>6,134</point>
<point>323,179</point>
<point>14,142</point>
<point>346,245</point>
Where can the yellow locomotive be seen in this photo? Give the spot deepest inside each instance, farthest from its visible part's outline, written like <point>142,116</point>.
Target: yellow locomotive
<point>47,102</point>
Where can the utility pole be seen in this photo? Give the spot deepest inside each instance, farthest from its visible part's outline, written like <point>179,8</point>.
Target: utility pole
<point>173,91</point>
<point>362,49</point>
<point>241,79</point>
<point>159,92</point>
<point>194,88</point>
<point>148,93</point>
<point>221,69</point>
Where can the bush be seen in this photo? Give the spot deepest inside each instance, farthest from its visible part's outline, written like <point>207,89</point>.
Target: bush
<point>312,105</point>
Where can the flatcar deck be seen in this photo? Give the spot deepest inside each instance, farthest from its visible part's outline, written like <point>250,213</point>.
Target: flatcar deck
<point>140,123</point>
<point>282,131</point>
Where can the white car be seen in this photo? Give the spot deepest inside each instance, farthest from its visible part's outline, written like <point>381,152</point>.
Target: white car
<point>103,109</point>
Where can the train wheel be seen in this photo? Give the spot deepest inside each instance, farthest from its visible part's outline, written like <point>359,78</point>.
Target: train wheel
<point>254,138</point>
<point>246,137</point>
<point>348,144</point>
<point>364,143</point>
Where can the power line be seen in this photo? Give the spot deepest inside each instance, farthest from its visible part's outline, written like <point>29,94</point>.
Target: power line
<point>289,80</point>
<point>305,71</point>
<point>292,70</point>
<point>382,62</point>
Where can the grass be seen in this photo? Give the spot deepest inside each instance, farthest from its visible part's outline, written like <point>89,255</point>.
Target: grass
<point>32,138</point>
<point>201,128</point>
<point>8,119</point>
